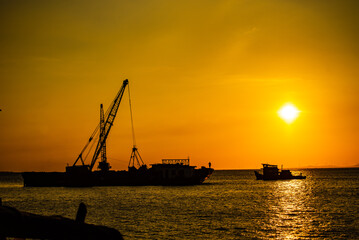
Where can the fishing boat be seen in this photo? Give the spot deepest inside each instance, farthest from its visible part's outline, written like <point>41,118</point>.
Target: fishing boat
<point>80,174</point>
<point>271,172</point>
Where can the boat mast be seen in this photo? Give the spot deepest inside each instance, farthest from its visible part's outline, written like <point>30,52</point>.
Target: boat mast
<point>102,124</point>
<point>103,165</point>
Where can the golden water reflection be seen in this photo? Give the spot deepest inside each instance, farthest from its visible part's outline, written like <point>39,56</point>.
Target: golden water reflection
<point>289,209</point>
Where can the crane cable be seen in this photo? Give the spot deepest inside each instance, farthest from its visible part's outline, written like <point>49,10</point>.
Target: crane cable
<point>92,145</point>
<point>133,129</point>
<point>86,145</point>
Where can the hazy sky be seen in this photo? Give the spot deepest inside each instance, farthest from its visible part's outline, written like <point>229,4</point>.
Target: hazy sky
<point>206,80</point>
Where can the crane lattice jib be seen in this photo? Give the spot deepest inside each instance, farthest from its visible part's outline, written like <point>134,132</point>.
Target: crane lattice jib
<point>110,117</point>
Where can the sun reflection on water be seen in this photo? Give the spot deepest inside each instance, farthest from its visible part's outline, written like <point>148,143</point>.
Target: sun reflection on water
<point>288,209</point>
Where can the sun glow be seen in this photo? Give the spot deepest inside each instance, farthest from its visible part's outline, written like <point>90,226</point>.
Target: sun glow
<point>288,113</point>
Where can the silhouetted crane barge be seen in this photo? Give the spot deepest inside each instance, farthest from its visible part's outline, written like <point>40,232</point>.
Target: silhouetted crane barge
<point>169,172</point>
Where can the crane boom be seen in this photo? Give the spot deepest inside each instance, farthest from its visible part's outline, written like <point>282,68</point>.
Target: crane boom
<point>110,117</point>
<point>103,165</point>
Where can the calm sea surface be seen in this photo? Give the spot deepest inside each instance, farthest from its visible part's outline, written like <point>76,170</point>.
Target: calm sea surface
<point>230,205</point>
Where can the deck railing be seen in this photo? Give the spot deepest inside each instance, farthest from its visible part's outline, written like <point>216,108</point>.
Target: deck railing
<point>176,161</point>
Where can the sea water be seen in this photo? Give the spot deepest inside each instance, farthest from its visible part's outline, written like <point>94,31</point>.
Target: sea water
<point>230,205</point>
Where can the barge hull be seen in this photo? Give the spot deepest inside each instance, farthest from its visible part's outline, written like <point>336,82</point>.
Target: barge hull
<point>113,178</point>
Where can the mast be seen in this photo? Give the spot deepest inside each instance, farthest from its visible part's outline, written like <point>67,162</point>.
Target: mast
<point>103,165</point>
<point>102,134</point>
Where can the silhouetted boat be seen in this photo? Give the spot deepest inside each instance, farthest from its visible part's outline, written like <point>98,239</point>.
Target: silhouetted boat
<point>165,173</point>
<point>169,172</point>
<point>271,172</point>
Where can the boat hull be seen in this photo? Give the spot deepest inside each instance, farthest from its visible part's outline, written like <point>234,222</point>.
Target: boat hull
<point>260,176</point>
<point>114,178</point>
<point>44,179</point>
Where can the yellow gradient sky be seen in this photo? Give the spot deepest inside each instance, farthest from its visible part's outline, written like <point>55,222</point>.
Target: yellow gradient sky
<point>206,78</point>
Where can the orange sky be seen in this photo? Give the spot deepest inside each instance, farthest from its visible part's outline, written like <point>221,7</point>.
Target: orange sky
<point>206,78</point>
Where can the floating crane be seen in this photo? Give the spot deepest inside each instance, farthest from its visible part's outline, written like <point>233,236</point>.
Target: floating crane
<point>104,127</point>
<point>170,172</point>
<point>106,123</point>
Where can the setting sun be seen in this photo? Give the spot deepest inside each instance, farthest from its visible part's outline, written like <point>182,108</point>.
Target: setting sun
<point>209,79</point>
<point>288,113</point>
